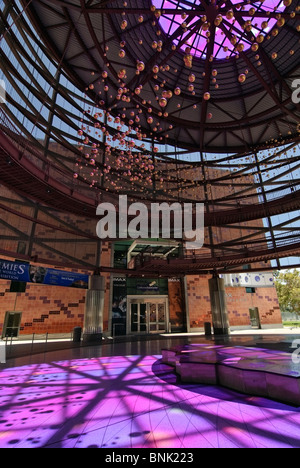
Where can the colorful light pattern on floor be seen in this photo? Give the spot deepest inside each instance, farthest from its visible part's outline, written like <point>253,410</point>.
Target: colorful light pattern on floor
<point>132,402</point>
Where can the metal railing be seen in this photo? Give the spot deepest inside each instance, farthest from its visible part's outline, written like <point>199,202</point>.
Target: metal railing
<point>36,342</point>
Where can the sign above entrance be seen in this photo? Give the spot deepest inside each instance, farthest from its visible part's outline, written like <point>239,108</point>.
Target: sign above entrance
<point>26,273</point>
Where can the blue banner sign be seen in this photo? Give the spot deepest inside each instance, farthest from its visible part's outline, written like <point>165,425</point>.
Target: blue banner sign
<point>26,273</point>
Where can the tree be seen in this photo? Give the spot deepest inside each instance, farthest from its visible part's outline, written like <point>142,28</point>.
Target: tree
<point>288,290</point>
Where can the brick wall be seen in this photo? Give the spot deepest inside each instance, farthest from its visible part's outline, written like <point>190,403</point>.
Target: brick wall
<point>265,299</point>
<point>198,301</point>
<point>238,304</point>
<point>44,309</point>
<point>176,305</point>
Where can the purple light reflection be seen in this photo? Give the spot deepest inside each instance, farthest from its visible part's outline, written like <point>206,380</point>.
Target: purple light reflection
<point>132,401</point>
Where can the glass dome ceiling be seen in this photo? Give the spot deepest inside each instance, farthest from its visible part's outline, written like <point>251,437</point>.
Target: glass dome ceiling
<point>232,17</point>
<point>198,76</point>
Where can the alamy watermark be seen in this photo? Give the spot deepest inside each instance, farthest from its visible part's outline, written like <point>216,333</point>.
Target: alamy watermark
<point>176,221</point>
<point>296,92</point>
<point>2,92</point>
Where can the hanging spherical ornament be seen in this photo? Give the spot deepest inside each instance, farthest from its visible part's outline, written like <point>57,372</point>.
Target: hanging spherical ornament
<point>140,19</point>
<point>122,73</point>
<point>281,22</point>
<point>155,69</point>
<point>163,102</point>
<point>124,25</point>
<point>188,58</point>
<point>188,61</point>
<point>177,91</point>
<point>206,96</point>
<point>218,20</point>
<point>122,53</point>
<point>248,26</point>
<point>229,14</point>
<point>242,78</point>
<point>209,116</point>
<point>75,176</point>
<point>260,38</point>
<point>274,55</point>
<point>214,73</point>
<point>140,66</point>
<point>255,47</point>
<point>192,78</point>
<point>104,74</point>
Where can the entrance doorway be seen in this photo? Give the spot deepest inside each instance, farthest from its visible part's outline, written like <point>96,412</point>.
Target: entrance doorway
<point>254,318</point>
<point>148,315</point>
<point>12,324</point>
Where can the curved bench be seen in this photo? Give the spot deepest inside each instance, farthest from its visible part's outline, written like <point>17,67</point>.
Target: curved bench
<point>254,371</point>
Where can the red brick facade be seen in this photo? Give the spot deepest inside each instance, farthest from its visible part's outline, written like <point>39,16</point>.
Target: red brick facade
<point>44,308</point>
<point>55,309</point>
<point>238,304</point>
<point>46,236</point>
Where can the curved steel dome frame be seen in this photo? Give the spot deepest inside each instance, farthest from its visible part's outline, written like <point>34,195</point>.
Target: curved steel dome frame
<point>115,37</point>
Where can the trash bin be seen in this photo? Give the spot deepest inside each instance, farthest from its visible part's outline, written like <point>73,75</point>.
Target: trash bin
<point>207,328</point>
<point>77,332</point>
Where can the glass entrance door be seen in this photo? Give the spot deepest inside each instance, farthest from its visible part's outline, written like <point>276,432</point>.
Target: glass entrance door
<point>138,317</point>
<point>148,316</point>
<point>157,317</point>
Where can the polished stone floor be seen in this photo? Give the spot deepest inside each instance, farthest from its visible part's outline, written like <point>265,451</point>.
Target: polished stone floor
<point>122,396</point>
